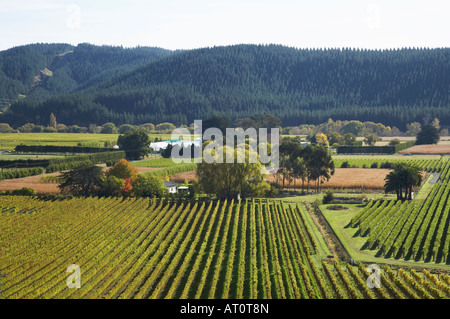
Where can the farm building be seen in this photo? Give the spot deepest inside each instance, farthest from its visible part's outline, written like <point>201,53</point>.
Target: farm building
<point>172,188</point>
<point>159,146</point>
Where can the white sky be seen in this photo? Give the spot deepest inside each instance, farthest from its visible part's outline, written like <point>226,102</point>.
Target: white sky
<point>177,24</point>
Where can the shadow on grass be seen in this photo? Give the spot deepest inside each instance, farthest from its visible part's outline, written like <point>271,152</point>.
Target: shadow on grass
<point>348,225</point>
<point>365,246</point>
<point>393,254</point>
<point>388,254</point>
<point>379,253</point>
<point>358,233</point>
<point>366,233</point>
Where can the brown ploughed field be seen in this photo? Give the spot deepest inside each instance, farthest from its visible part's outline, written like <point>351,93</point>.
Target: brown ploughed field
<point>342,178</point>
<point>428,149</point>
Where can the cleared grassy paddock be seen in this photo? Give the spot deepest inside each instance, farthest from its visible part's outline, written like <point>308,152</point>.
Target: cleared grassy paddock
<point>8,141</point>
<point>157,162</point>
<point>11,140</point>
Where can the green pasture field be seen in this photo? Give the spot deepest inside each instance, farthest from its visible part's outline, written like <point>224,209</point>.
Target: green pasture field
<point>8,141</point>
<point>425,190</point>
<point>157,162</point>
<point>294,136</point>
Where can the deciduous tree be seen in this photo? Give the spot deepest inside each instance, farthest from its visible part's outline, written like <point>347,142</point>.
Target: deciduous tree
<point>109,128</point>
<point>228,180</point>
<point>148,186</point>
<point>83,181</point>
<point>370,139</point>
<point>122,170</point>
<point>136,144</point>
<point>52,122</point>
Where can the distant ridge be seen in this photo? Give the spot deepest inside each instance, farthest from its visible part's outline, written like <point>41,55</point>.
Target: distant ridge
<point>101,84</point>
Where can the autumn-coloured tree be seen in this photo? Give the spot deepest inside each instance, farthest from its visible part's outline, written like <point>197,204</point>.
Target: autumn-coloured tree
<point>127,188</point>
<point>321,139</point>
<point>5,128</point>
<point>436,123</point>
<point>148,127</point>
<point>52,122</point>
<point>123,170</point>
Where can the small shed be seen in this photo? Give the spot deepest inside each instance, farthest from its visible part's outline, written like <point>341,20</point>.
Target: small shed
<point>171,187</point>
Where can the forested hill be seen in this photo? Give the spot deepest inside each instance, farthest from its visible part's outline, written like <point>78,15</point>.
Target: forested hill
<point>39,71</point>
<point>299,86</point>
<point>20,65</point>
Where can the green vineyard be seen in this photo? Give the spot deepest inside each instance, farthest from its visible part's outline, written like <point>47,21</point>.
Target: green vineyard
<point>154,249</point>
<point>412,230</point>
<point>435,165</point>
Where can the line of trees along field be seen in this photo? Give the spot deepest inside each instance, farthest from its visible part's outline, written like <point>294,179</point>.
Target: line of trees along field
<point>395,87</point>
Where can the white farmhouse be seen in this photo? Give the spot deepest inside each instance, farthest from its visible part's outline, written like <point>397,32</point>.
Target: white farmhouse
<point>172,188</point>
